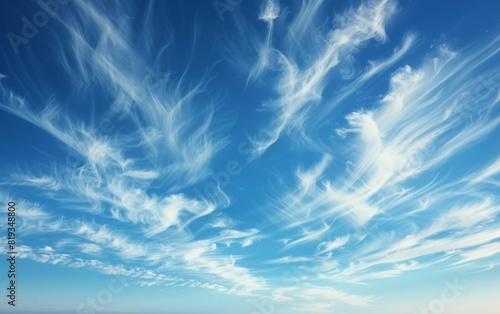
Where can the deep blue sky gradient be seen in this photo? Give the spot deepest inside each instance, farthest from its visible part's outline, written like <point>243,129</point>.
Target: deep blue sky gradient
<point>216,171</point>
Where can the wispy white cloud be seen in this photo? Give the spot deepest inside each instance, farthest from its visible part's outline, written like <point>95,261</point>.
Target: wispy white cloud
<point>375,68</point>
<point>90,248</point>
<point>373,187</point>
<point>134,175</point>
<point>269,13</point>
<point>290,259</point>
<point>483,251</point>
<point>304,18</point>
<point>329,246</point>
<point>318,298</point>
<point>393,153</point>
<point>300,87</point>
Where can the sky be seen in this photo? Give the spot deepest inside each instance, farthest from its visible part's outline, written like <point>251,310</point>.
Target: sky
<point>252,157</point>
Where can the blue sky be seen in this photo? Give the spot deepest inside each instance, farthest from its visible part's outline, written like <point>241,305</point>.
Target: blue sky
<point>257,157</point>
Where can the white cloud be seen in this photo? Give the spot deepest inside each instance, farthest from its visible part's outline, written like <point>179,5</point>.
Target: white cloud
<point>301,87</point>
<point>90,248</point>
